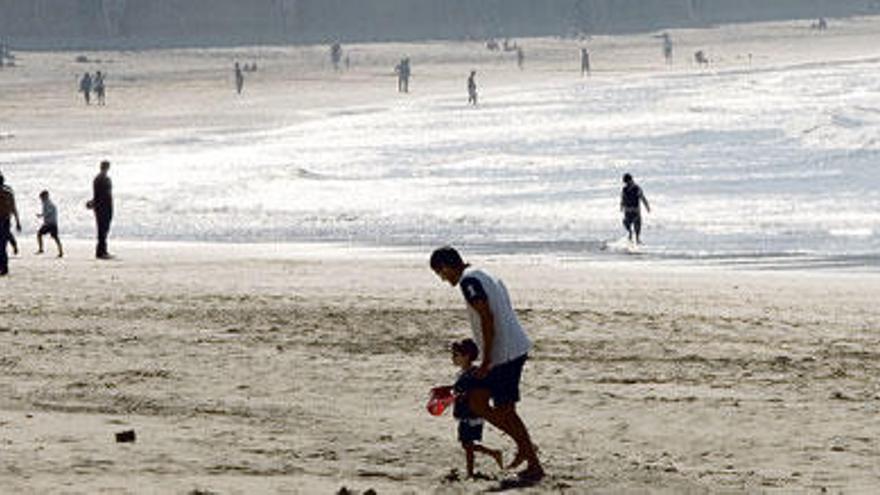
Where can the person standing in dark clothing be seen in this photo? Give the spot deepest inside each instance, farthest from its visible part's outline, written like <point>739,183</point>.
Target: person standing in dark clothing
<point>472,88</point>
<point>85,87</point>
<point>102,204</point>
<point>239,79</point>
<point>99,87</point>
<point>585,62</point>
<point>631,198</point>
<point>403,72</point>
<point>7,210</point>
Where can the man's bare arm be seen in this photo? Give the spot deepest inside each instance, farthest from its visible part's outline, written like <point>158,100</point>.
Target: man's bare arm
<point>487,326</point>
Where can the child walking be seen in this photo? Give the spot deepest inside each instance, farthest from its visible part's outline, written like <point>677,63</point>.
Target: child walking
<point>470,426</point>
<point>50,224</point>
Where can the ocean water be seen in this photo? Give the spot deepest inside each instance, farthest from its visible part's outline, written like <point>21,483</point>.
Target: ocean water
<point>779,163</point>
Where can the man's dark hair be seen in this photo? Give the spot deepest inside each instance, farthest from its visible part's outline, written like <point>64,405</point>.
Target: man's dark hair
<point>105,164</point>
<point>466,347</point>
<point>627,178</point>
<point>446,256</point>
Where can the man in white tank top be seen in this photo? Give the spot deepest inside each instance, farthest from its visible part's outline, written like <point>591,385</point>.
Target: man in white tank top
<point>504,348</point>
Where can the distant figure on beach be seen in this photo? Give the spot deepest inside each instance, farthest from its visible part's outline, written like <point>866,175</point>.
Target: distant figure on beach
<point>10,237</point>
<point>50,223</point>
<point>585,62</point>
<point>335,55</point>
<point>99,87</point>
<point>667,48</point>
<point>7,58</point>
<point>504,348</point>
<point>8,210</point>
<point>239,79</point>
<point>820,25</point>
<point>520,57</point>
<point>470,426</point>
<point>403,73</point>
<point>102,204</point>
<point>631,199</point>
<point>85,87</point>
<point>701,59</point>
<point>472,88</point>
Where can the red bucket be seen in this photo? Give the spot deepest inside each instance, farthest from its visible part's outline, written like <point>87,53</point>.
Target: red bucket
<point>439,400</point>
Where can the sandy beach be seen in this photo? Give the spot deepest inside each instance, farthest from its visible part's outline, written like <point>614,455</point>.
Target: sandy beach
<point>294,369</point>
<point>304,368</point>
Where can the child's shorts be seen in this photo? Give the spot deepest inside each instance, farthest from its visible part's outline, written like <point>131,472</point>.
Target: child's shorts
<point>50,229</point>
<point>470,430</point>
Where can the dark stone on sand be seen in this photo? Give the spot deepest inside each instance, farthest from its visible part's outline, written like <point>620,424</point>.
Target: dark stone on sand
<point>127,436</point>
<point>344,491</point>
<point>452,476</point>
<point>370,491</point>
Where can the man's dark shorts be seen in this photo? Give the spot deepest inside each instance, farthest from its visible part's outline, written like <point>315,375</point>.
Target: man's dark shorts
<point>51,230</point>
<point>632,218</point>
<point>503,381</point>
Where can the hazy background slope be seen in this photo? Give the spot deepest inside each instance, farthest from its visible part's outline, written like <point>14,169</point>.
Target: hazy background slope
<point>119,23</point>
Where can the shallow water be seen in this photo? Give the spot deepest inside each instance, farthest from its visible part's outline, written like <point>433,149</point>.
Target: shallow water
<point>772,164</point>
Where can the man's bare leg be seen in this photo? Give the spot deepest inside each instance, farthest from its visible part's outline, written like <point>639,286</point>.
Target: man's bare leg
<point>506,419</point>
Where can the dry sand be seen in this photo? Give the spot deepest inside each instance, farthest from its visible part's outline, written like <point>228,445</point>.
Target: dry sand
<point>300,369</point>
<point>293,369</point>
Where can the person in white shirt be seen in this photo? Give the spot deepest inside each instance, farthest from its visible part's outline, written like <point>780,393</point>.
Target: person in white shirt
<point>504,348</point>
<point>50,224</point>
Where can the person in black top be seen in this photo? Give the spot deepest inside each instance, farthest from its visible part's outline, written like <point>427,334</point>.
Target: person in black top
<point>239,79</point>
<point>102,204</point>
<point>85,87</point>
<point>470,425</point>
<point>7,212</point>
<point>585,62</point>
<point>472,88</point>
<point>631,198</point>
<point>100,90</point>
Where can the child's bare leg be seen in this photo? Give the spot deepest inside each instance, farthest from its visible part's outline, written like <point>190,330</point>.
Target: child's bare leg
<point>469,457</point>
<point>60,249</point>
<point>39,244</point>
<point>493,453</point>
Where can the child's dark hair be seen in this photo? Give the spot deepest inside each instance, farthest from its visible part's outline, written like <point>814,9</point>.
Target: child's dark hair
<point>467,348</point>
<point>44,194</point>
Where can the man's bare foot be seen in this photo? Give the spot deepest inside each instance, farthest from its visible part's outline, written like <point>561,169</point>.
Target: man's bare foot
<point>531,474</point>
<point>39,251</point>
<point>520,458</point>
<point>60,255</point>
